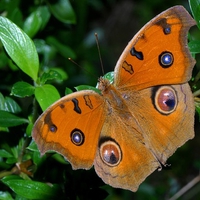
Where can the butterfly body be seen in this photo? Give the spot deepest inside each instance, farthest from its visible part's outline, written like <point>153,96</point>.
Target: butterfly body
<point>137,122</point>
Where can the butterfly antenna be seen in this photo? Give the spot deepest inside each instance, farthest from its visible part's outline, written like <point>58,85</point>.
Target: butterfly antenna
<point>70,59</point>
<point>100,58</point>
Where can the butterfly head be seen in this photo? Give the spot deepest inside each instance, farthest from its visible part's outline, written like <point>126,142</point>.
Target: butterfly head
<point>103,84</point>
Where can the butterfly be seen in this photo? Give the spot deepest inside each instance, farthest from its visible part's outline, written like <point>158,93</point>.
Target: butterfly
<point>137,122</point>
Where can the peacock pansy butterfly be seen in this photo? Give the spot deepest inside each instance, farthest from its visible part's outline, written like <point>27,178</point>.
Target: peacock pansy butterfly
<point>138,121</point>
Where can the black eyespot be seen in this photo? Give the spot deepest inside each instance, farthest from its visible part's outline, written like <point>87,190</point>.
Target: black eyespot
<point>166,59</point>
<point>164,25</point>
<point>77,137</point>
<point>165,100</point>
<point>167,30</point>
<point>53,128</point>
<point>110,153</point>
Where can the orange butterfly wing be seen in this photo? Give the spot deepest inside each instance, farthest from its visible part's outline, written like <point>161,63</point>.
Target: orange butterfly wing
<point>140,133</point>
<point>158,53</point>
<point>71,127</point>
<point>164,132</point>
<point>136,161</point>
<point>138,139</point>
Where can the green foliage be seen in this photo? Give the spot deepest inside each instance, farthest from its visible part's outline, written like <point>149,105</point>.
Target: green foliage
<point>36,21</point>
<point>63,11</point>
<point>38,190</point>
<point>46,95</point>
<point>19,47</point>
<point>22,89</point>
<point>8,120</point>
<point>195,9</point>
<point>37,38</point>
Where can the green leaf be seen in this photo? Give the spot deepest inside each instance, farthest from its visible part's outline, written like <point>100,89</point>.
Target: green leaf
<point>19,47</point>
<point>87,87</point>
<point>44,14</point>
<point>4,129</point>
<point>5,154</point>
<point>5,196</point>
<point>52,74</point>
<point>36,21</point>
<point>194,46</point>
<point>8,104</point>
<point>46,95</point>
<point>32,24</point>
<point>68,91</point>
<point>11,105</point>
<point>38,159</point>
<point>29,129</point>
<point>11,177</point>
<point>63,73</point>
<point>2,102</point>
<point>32,146</point>
<point>60,158</point>
<point>31,189</point>
<point>63,11</point>
<point>22,89</point>
<point>11,161</point>
<point>9,120</point>
<point>64,50</point>
<point>195,9</point>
